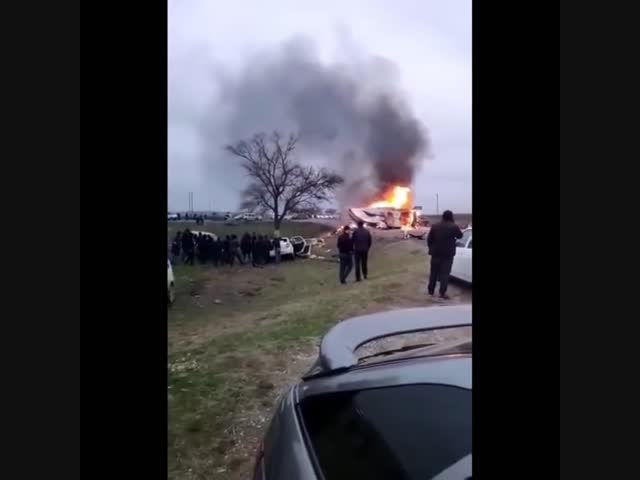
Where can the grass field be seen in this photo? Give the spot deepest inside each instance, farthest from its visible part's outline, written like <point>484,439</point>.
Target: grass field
<point>237,336</point>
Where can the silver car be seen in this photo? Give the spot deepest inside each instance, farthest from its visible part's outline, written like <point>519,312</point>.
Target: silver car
<point>399,413</point>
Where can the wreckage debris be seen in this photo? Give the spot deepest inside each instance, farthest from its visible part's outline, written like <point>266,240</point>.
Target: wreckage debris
<point>419,236</point>
<point>302,246</point>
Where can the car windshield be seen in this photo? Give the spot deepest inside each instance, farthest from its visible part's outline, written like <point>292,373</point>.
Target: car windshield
<point>405,432</point>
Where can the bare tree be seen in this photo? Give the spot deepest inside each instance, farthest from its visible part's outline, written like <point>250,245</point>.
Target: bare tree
<point>278,183</point>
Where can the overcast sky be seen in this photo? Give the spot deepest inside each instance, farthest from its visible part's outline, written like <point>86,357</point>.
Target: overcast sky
<point>428,41</point>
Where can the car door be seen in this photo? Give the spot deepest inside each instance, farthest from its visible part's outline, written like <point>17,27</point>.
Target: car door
<point>467,262</point>
<point>458,268</point>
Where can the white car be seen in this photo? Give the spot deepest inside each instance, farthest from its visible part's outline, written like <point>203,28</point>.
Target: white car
<point>248,217</point>
<point>286,249</point>
<point>462,262</point>
<point>171,287</point>
<point>212,235</point>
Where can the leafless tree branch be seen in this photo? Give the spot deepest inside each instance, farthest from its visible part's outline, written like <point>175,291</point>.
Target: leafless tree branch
<point>278,183</point>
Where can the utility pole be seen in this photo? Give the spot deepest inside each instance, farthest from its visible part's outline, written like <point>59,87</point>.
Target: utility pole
<point>437,205</point>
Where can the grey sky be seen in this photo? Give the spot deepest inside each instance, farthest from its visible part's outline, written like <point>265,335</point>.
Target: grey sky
<point>428,41</point>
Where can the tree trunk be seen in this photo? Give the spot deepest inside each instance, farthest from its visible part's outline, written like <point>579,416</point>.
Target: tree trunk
<point>276,218</point>
<point>276,226</point>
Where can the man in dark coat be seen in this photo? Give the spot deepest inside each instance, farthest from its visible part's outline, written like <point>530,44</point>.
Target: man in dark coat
<point>216,251</point>
<point>276,247</point>
<point>207,245</point>
<point>245,246</point>
<point>256,253</point>
<point>442,248</point>
<point>175,248</point>
<point>226,250</point>
<point>188,247</point>
<point>264,249</point>
<point>201,248</point>
<point>235,250</point>
<point>361,245</point>
<point>345,249</point>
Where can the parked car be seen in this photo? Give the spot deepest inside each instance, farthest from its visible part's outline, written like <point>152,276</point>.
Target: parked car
<point>286,249</point>
<point>462,262</point>
<point>399,413</point>
<point>212,235</point>
<point>171,287</point>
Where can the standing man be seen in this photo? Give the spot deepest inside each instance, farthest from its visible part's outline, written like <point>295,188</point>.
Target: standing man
<point>255,250</point>
<point>188,247</point>
<point>175,248</point>
<point>226,248</point>
<point>235,250</point>
<point>265,249</point>
<point>201,247</point>
<point>216,251</point>
<point>361,245</point>
<point>245,246</point>
<point>276,247</point>
<point>345,249</point>
<point>442,248</point>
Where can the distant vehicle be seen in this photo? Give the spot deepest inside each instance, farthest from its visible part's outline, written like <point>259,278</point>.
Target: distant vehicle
<point>172,216</point>
<point>286,249</point>
<point>462,262</point>
<point>216,216</point>
<point>248,217</point>
<point>397,413</point>
<point>171,287</point>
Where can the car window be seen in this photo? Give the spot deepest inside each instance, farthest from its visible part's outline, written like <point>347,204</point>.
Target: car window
<point>465,238</point>
<point>405,432</point>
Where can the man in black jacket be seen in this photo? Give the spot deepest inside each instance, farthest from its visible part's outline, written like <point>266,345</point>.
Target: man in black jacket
<point>275,243</point>
<point>216,251</point>
<point>361,245</point>
<point>188,247</point>
<point>345,249</point>
<point>245,246</point>
<point>442,248</point>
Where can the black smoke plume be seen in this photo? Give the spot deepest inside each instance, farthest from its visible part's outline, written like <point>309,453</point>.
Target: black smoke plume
<point>351,115</point>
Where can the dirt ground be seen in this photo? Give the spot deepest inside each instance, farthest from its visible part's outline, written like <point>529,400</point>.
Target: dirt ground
<point>238,337</point>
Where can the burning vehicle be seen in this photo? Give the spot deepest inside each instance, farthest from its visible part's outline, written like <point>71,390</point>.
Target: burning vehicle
<point>394,210</point>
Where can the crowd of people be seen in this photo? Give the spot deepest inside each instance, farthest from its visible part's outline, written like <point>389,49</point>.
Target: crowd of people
<point>188,246</point>
<point>207,248</point>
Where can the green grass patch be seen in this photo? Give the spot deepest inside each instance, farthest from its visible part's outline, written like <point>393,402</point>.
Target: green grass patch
<point>222,355</point>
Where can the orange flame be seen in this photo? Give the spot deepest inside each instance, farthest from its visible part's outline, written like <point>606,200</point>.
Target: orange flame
<point>396,197</point>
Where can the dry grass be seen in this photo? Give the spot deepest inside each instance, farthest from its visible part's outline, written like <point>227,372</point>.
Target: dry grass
<point>238,336</point>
